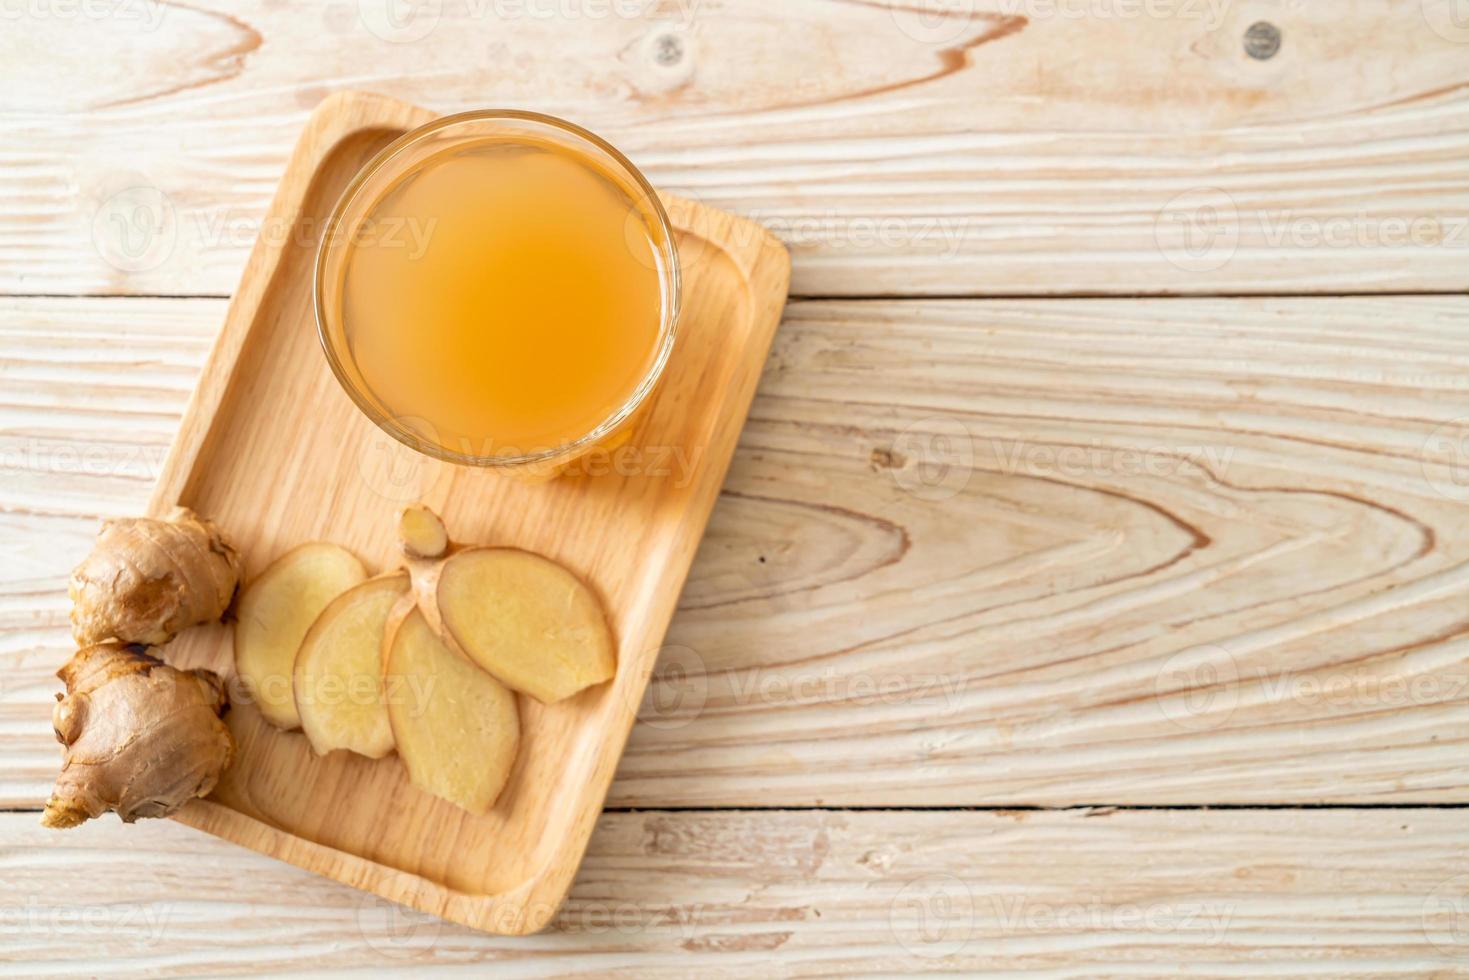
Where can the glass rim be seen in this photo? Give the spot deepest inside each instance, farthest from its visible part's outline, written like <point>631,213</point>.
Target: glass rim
<point>670,278</point>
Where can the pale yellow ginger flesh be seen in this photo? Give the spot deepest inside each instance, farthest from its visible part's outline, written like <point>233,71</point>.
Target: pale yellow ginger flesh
<point>147,580</point>
<point>421,533</point>
<point>139,737</point>
<point>527,620</point>
<point>273,615</point>
<point>457,729</point>
<point>338,675</point>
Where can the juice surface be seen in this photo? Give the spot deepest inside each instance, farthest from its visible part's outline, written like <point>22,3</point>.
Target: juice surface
<point>502,297</point>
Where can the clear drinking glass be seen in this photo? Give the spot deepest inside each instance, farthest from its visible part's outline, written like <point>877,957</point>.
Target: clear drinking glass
<point>384,172</point>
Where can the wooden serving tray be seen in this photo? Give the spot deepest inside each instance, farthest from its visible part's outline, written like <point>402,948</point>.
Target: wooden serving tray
<point>274,451</point>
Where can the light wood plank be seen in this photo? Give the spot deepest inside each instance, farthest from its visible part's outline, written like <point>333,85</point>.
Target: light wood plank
<point>994,146</point>
<point>1368,893</point>
<point>862,628</point>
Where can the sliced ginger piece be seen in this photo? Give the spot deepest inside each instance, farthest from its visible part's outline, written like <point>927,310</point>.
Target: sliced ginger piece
<point>457,728</point>
<point>526,619</point>
<point>339,670</point>
<point>275,612</point>
<point>421,533</point>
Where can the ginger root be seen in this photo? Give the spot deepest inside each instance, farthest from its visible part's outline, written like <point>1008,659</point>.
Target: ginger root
<point>421,533</point>
<point>147,580</point>
<point>140,737</point>
<point>530,622</point>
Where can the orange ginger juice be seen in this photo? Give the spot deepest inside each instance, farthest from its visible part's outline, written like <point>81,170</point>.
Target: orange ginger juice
<point>502,297</point>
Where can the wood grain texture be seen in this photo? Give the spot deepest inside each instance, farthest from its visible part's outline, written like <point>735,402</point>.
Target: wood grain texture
<point>899,148</point>
<point>1369,893</point>
<point>1267,483</point>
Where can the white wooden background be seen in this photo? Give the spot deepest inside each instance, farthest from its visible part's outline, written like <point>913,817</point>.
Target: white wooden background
<point>1087,596</point>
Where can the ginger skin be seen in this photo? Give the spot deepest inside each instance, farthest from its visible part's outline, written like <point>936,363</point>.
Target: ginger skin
<point>147,580</point>
<point>421,533</point>
<point>140,737</point>
<point>528,621</point>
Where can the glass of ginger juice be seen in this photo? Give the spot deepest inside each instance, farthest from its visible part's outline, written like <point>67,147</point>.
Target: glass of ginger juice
<point>498,288</point>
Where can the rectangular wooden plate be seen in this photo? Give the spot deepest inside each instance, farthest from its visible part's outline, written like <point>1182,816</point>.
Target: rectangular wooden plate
<point>277,454</point>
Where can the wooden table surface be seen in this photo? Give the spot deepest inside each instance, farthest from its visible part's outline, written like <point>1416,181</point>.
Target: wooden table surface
<point>1087,596</point>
